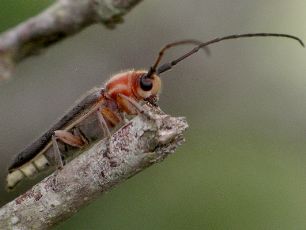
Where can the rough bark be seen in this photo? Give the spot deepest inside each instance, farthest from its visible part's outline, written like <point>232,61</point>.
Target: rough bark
<point>60,20</point>
<point>145,140</point>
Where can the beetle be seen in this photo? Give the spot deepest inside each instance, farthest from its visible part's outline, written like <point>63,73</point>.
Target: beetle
<point>101,111</point>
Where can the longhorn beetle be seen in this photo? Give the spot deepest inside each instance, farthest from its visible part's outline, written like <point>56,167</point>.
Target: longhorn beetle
<point>101,110</point>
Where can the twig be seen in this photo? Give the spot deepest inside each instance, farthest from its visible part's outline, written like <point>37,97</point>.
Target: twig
<point>62,19</point>
<point>139,144</point>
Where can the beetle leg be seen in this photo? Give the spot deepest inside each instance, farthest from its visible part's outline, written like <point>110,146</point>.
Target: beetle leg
<point>78,132</point>
<point>69,138</point>
<point>125,119</point>
<point>130,105</point>
<point>77,140</point>
<point>111,117</point>
<point>103,124</point>
<point>57,153</point>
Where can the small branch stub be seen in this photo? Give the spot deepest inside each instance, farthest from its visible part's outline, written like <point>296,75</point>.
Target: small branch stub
<point>62,19</point>
<point>145,140</point>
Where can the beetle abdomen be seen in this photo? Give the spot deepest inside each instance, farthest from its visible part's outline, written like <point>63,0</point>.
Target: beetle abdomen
<point>30,169</point>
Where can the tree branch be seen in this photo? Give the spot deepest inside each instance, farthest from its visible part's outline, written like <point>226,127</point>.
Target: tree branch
<point>145,140</point>
<point>60,20</point>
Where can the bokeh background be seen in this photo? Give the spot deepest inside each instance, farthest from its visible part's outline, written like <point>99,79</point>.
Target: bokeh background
<point>243,165</point>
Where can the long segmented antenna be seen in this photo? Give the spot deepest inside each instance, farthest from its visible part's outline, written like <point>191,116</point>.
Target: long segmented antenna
<point>167,66</point>
<point>170,45</point>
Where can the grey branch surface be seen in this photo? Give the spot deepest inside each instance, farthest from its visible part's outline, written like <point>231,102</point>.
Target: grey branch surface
<point>145,140</point>
<point>60,20</point>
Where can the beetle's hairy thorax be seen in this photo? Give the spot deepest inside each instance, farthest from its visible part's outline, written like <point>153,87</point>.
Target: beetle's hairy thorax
<point>126,83</point>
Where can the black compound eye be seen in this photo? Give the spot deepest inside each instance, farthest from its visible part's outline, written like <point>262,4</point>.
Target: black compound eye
<point>146,84</point>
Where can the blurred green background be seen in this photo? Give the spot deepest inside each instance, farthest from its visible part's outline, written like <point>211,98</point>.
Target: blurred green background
<point>243,165</point>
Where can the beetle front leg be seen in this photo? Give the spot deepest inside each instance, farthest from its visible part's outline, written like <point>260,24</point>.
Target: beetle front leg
<point>129,105</point>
